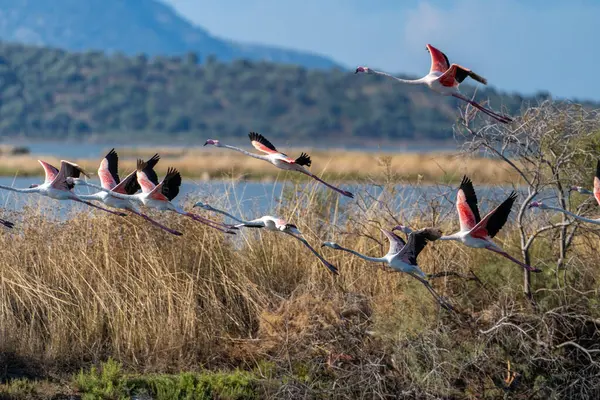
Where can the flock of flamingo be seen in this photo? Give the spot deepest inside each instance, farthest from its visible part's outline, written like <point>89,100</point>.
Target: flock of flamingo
<point>142,188</point>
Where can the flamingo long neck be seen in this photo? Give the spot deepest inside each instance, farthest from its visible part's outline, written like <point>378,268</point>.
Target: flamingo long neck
<point>364,257</point>
<point>579,217</point>
<point>229,215</point>
<point>28,190</point>
<point>406,81</point>
<point>260,157</point>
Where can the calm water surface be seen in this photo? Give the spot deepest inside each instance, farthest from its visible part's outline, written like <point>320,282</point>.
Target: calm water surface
<point>253,199</point>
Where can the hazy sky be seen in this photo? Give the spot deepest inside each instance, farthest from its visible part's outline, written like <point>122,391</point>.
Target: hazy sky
<point>522,46</point>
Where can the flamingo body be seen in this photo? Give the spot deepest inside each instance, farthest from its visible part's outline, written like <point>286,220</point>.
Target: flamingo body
<point>444,78</point>
<point>273,224</point>
<point>278,159</point>
<point>477,232</point>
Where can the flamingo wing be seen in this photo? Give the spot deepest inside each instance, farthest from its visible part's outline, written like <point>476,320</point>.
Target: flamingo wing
<point>130,185</point>
<point>108,170</point>
<point>417,241</point>
<point>142,177</point>
<point>50,171</point>
<point>67,170</point>
<point>456,74</point>
<point>396,242</point>
<point>597,183</point>
<point>171,183</point>
<point>439,61</point>
<point>260,143</point>
<point>466,205</point>
<point>491,224</point>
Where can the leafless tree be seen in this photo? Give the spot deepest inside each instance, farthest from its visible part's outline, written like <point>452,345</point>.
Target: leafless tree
<point>550,147</point>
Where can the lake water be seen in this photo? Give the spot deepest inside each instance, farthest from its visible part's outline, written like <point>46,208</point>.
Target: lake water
<point>253,199</point>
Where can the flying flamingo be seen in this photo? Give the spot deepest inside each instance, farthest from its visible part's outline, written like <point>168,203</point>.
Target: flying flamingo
<point>109,180</point>
<point>444,79</point>
<point>57,184</point>
<point>596,193</point>
<point>278,159</point>
<point>272,224</point>
<point>474,231</point>
<point>159,196</point>
<point>402,256</point>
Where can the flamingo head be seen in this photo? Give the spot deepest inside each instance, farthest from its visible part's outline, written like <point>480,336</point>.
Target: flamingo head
<point>333,245</point>
<point>537,204</point>
<point>33,185</point>
<point>402,228</point>
<point>214,142</point>
<point>363,70</point>
<point>203,205</point>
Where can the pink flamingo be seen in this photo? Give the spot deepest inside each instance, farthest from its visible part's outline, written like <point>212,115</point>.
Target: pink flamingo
<point>474,231</point>
<point>109,180</point>
<point>278,159</point>
<point>58,184</point>
<point>444,79</point>
<point>159,196</point>
<point>273,224</point>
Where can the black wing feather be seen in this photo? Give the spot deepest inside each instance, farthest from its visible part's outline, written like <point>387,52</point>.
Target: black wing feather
<point>416,243</point>
<point>254,136</point>
<point>132,186</point>
<point>113,165</point>
<point>498,219</point>
<point>171,183</point>
<point>598,170</point>
<point>304,159</point>
<point>467,187</point>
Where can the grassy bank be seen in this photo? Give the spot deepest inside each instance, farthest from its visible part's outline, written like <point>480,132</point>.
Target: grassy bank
<point>338,165</point>
<point>257,316</point>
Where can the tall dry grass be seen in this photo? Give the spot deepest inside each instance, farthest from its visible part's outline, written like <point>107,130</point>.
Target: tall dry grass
<point>75,292</point>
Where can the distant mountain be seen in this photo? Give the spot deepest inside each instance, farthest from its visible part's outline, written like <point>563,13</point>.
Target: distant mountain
<point>131,27</point>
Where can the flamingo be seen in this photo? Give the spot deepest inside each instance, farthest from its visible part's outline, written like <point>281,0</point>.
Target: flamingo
<point>402,256</point>
<point>277,158</point>
<point>444,78</point>
<point>595,192</point>
<point>474,231</point>
<point>109,180</point>
<point>159,196</point>
<point>57,184</point>
<point>272,224</point>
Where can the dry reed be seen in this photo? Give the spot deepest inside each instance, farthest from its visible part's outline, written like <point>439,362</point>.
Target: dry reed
<point>92,286</point>
<point>340,165</point>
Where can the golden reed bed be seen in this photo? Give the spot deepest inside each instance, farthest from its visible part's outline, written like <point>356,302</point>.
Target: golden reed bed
<point>340,165</point>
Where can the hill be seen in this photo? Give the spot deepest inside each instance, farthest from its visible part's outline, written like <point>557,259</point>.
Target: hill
<point>131,27</point>
<point>54,94</point>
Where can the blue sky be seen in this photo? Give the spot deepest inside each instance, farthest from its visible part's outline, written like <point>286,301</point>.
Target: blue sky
<point>521,46</point>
